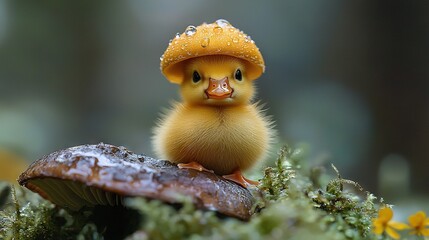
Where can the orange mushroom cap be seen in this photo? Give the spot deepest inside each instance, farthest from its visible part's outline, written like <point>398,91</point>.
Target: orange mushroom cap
<point>218,38</point>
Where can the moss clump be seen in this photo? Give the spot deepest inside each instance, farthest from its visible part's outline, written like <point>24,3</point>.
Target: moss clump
<point>27,216</point>
<point>161,221</point>
<point>292,204</point>
<point>353,216</point>
<point>26,222</point>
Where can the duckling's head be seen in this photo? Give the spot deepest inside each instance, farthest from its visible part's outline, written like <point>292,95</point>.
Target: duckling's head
<point>216,50</point>
<point>216,80</point>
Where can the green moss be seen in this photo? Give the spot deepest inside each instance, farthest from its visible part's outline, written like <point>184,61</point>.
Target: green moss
<point>293,203</point>
<point>353,215</point>
<point>161,221</point>
<point>24,222</point>
<point>277,179</point>
<point>27,216</point>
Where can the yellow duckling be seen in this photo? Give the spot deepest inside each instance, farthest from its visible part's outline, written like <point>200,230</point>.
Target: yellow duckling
<point>216,127</point>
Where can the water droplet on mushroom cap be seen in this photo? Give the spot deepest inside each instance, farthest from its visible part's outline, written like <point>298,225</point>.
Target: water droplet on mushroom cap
<point>222,22</point>
<point>190,30</point>
<point>217,30</point>
<point>205,42</point>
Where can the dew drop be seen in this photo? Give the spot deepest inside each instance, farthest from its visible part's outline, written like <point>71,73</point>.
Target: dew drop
<point>228,43</point>
<point>190,30</point>
<point>222,22</point>
<point>205,42</point>
<point>183,46</point>
<point>235,40</point>
<point>217,30</point>
<point>248,39</point>
<point>169,42</point>
<point>177,35</point>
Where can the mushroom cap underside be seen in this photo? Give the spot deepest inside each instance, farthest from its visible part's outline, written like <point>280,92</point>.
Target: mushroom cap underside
<point>218,38</point>
<point>89,175</point>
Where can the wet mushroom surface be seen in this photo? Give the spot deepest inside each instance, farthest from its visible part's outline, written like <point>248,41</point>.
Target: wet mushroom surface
<point>103,174</point>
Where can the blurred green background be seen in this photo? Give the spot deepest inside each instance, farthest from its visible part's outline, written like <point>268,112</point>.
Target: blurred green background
<point>348,78</point>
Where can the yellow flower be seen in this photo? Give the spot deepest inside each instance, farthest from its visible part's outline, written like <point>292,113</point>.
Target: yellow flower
<point>418,223</point>
<point>383,224</point>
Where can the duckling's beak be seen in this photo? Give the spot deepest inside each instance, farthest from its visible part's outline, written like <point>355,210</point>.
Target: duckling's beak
<point>219,89</point>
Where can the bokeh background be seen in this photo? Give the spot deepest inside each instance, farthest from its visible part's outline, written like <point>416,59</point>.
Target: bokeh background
<point>350,79</point>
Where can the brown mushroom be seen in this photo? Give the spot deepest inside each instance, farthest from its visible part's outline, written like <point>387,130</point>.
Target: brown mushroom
<point>218,38</point>
<point>103,174</point>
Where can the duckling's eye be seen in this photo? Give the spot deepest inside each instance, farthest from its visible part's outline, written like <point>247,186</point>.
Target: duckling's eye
<point>196,77</point>
<point>238,75</point>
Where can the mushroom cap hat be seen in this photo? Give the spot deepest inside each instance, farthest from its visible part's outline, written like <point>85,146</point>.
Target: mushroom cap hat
<point>218,38</point>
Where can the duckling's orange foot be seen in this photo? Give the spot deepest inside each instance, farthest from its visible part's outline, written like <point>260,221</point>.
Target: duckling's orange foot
<point>237,177</point>
<point>194,165</point>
